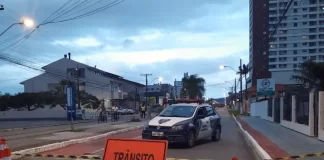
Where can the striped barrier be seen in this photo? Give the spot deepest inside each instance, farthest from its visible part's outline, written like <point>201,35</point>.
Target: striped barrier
<point>97,157</point>
<point>88,157</point>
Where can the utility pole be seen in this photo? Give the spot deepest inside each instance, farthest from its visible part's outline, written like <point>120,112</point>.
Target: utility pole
<point>135,99</point>
<point>241,94</point>
<point>146,74</point>
<point>78,83</point>
<point>176,88</point>
<point>235,90</point>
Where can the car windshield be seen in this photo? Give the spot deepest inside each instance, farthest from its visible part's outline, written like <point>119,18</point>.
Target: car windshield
<point>178,111</point>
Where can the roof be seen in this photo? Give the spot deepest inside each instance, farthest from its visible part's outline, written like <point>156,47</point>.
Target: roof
<point>107,74</point>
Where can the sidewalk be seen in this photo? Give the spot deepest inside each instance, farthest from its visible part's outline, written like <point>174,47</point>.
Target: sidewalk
<point>279,141</point>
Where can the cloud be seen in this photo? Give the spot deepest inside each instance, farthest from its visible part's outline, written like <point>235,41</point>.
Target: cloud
<point>82,42</point>
<point>165,38</point>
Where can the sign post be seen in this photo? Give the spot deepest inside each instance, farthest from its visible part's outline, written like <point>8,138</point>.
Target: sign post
<point>135,149</point>
<point>70,106</point>
<point>266,87</point>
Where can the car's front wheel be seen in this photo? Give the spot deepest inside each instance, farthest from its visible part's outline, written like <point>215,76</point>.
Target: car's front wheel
<point>191,139</point>
<point>216,135</point>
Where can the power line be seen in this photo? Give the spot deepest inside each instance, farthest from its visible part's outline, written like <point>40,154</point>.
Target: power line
<point>112,4</point>
<point>281,18</point>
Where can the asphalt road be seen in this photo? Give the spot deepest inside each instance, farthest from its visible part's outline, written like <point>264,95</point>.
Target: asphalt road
<point>33,123</point>
<point>231,144</point>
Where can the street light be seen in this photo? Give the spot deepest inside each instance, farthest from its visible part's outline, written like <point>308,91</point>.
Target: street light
<point>223,67</point>
<point>160,79</point>
<point>26,22</point>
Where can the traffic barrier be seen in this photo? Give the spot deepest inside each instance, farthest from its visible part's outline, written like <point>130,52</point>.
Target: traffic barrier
<point>2,145</point>
<point>5,153</point>
<point>88,157</point>
<point>320,154</point>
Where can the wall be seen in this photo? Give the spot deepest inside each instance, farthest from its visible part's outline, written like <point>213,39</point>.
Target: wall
<point>259,109</point>
<point>40,82</point>
<point>321,116</point>
<point>41,113</point>
<point>283,77</point>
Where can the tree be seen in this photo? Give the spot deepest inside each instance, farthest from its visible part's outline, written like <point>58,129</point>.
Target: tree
<point>89,101</point>
<point>311,74</point>
<point>193,86</point>
<point>4,101</point>
<point>244,70</point>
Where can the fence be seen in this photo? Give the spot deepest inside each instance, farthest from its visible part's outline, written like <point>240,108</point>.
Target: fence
<point>287,107</point>
<point>302,108</point>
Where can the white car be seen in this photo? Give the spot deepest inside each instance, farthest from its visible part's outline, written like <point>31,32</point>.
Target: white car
<point>122,111</point>
<point>130,111</point>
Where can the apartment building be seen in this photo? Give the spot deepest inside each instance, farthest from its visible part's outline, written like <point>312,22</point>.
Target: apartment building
<point>258,46</point>
<point>299,37</point>
<point>104,85</point>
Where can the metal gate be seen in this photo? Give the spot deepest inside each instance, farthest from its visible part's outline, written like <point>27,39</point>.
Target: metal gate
<point>315,106</point>
<point>276,115</point>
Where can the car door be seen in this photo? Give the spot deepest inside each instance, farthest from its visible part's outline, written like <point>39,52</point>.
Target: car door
<point>213,118</point>
<point>202,123</point>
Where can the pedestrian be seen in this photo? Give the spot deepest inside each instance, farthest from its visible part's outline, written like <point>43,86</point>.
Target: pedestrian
<point>114,112</point>
<point>143,108</point>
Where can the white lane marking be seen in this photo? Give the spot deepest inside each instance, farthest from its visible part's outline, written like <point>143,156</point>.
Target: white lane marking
<point>99,150</point>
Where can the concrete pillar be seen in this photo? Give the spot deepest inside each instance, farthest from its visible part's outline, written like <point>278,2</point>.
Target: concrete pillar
<point>273,106</point>
<point>281,108</point>
<point>321,115</point>
<point>311,113</point>
<point>293,109</point>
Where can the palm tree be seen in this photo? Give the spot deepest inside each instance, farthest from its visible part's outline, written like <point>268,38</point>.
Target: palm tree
<point>311,74</point>
<point>244,71</point>
<point>193,86</point>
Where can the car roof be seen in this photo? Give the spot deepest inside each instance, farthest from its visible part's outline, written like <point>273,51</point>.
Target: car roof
<point>190,104</point>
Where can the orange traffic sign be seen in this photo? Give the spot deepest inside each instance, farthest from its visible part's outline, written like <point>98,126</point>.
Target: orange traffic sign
<point>135,149</point>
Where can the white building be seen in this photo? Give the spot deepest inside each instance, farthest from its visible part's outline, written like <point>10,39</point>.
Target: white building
<point>105,86</point>
<point>299,37</point>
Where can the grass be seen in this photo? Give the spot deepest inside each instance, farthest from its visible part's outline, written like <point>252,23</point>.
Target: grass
<point>236,113</point>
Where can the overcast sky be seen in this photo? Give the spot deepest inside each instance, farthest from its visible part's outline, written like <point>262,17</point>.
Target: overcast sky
<point>162,37</point>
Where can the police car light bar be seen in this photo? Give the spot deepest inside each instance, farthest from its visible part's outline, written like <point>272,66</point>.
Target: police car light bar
<point>199,101</point>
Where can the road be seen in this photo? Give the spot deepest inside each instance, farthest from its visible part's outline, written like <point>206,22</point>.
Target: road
<point>33,123</point>
<point>32,137</point>
<point>231,144</point>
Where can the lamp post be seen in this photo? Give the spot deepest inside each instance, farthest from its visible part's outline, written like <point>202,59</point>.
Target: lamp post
<point>26,22</point>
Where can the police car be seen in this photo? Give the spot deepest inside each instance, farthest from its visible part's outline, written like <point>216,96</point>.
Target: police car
<point>184,122</point>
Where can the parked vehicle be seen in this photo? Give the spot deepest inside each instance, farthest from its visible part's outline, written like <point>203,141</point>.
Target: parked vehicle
<point>122,111</point>
<point>130,111</point>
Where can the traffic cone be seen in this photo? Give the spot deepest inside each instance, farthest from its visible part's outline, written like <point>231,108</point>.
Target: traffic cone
<point>7,153</point>
<point>2,146</point>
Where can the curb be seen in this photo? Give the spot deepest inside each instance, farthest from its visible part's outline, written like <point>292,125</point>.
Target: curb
<point>53,146</point>
<point>260,152</point>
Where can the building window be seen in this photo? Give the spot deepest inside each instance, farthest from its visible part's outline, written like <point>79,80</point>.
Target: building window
<point>295,52</point>
<point>304,37</point>
<point>295,45</point>
<point>295,58</point>
<point>295,65</point>
<point>295,24</point>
